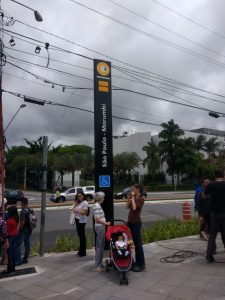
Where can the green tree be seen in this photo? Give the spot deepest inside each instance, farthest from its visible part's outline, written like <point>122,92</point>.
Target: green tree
<point>125,162</point>
<point>200,142</point>
<point>152,160</point>
<point>189,160</point>
<point>212,146</point>
<point>169,145</point>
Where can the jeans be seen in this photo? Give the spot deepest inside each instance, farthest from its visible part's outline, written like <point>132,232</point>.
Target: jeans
<point>217,224</point>
<point>139,252</point>
<point>11,253</point>
<point>81,233</point>
<point>24,236</point>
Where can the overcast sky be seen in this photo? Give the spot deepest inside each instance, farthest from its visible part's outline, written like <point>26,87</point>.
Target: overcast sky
<point>89,29</point>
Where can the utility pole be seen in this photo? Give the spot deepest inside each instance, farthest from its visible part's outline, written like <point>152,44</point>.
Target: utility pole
<point>25,175</point>
<point>2,146</point>
<point>2,142</point>
<point>43,196</point>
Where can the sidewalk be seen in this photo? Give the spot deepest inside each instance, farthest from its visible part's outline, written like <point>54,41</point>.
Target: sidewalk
<point>65,276</point>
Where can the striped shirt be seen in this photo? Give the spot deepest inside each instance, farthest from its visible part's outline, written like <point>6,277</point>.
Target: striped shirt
<point>98,213</point>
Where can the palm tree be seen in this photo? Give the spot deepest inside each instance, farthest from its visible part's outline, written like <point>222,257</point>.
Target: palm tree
<point>200,142</point>
<point>211,147</point>
<point>125,162</point>
<point>169,144</point>
<point>152,161</point>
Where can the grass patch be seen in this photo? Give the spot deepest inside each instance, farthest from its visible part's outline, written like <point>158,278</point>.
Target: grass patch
<point>34,251</point>
<point>67,242</point>
<point>169,229</point>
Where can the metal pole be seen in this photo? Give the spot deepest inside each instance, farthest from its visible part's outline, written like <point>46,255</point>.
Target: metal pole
<point>2,147</point>
<point>25,176</point>
<point>43,196</point>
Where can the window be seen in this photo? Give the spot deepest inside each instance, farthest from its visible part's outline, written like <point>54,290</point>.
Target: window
<point>72,191</point>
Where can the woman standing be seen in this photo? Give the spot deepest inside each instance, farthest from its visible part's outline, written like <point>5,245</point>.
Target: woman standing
<point>99,228</point>
<point>12,228</point>
<point>135,202</point>
<point>80,209</point>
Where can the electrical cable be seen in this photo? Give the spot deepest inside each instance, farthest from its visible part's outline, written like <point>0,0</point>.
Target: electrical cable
<point>52,47</point>
<point>168,43</point>
<point>129,91</point>
<point>91,99</point>
<point>138,80</point>
<point>158,88</point>
<point>120,61</point>
<point>48,81</point>
<point>80,109</point>
<point>51,69</point>
<point>167,29</point>
<point>167,100</point>
<point>189,19</point>
<point>180,255</point>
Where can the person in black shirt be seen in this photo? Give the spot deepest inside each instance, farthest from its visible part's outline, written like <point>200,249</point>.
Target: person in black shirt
<point>217,211</point>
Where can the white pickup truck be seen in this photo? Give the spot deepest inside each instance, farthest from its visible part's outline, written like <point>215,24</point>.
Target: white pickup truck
<point>70,194</point>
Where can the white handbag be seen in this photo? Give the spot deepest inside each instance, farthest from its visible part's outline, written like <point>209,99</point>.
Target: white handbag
<point>72,216</point>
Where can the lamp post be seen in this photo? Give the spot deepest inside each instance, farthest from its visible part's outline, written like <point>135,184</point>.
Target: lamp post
<point>37,15</point>
<point>21,106</point>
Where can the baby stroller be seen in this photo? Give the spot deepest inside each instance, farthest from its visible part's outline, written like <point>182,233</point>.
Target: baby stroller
<point>117,262</point>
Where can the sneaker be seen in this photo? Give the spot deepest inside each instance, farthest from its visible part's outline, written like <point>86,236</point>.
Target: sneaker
<point>204,235</point>
<point>99,270</point>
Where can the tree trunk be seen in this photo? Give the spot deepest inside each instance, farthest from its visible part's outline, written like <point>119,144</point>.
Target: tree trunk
<point>73,178</point>
<point>61,173</point>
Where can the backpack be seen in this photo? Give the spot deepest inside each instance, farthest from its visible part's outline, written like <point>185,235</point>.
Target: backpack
<point>32,219</point>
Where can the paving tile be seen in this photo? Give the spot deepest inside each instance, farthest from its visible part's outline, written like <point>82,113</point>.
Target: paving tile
<point>35,292</point>
<point>96,295</point>
<point>15,285</point>
<point>198,285</point>
<point>163,289</point>
<point>210,296</point>
<point>186,294</point>
<point>61,287</point>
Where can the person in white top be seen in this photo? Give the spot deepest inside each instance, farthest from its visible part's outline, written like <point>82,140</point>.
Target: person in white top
<point>121,245</point>
<point>99,228</point>
<point>81,209</point>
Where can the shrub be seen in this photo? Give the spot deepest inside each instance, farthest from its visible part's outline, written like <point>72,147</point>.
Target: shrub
<point>172,228</point>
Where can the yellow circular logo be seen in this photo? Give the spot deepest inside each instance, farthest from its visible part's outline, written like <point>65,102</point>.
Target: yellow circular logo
<point>103,69</point>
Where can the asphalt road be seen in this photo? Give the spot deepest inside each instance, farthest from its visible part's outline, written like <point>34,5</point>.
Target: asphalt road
<point>57,219</point>
<point>35,197</point>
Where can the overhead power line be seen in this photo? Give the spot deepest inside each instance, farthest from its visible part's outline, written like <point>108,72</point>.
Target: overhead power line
<point>189,19</point>
<point>167,29</point>
<point>140,70</point>
<point>92,100</point>
<point>161,40</point>
<point>43,102</point>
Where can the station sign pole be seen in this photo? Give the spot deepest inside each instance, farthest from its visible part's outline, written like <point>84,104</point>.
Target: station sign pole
<point>103,134</point>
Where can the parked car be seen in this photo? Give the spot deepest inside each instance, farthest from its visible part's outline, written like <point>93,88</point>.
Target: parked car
<point>70,194</point>
<point>13,196</point>
<point>125,192</point>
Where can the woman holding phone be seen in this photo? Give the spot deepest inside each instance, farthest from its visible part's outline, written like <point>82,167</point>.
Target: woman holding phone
<point>135,202</point>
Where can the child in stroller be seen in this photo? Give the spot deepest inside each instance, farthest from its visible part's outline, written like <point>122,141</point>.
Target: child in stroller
<point>121,245</point>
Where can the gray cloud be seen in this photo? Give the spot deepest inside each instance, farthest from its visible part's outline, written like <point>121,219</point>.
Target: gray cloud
<point>98,33</point>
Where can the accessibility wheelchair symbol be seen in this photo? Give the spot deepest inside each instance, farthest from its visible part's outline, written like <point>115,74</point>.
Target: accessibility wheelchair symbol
<point>104,181</point>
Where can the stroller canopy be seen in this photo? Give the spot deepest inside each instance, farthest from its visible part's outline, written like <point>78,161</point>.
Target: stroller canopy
<point>117,229</point>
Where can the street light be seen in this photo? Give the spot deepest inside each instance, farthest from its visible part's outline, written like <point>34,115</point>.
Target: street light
<point>21,106</point>
<point>37,15</point>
